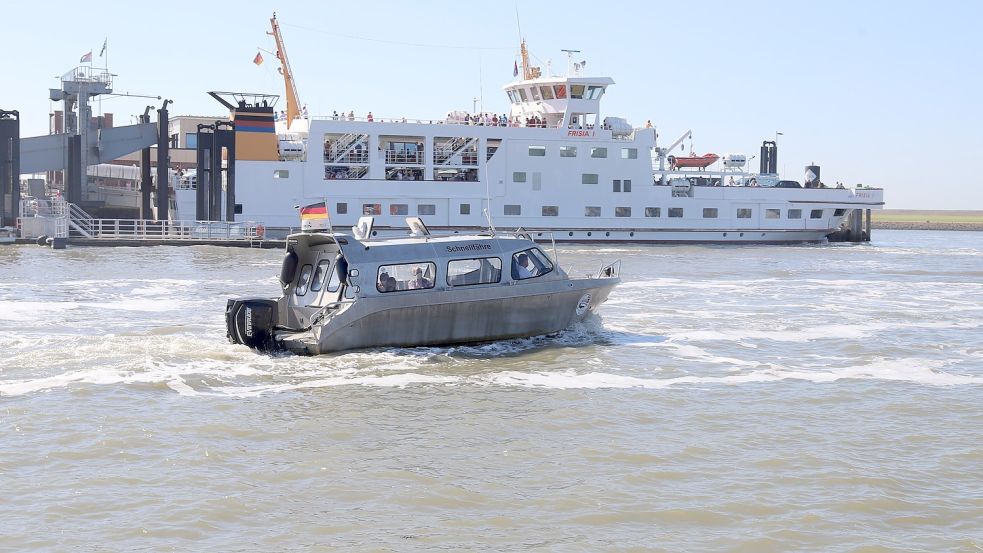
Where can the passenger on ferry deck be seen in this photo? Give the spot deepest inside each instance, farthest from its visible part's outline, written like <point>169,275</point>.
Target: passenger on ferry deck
<point>334,115</point>
<point>351,115</point>
<point>369,117</point>
<point>648,124</point>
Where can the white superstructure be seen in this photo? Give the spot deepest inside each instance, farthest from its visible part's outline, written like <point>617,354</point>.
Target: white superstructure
<point>552,163</point>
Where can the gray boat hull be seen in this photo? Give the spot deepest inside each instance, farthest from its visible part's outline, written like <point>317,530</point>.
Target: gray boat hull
<point>453,316</point>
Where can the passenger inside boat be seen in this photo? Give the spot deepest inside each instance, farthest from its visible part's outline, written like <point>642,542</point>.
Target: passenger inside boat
<point>530,263</point>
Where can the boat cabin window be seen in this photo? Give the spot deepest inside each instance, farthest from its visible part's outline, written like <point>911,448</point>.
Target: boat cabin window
<point>535,93</point>
<point>405,276</point>
<point>816,214</point>
<point>561,91</point>
<point>371,209</point>
<point>598,152</point>
<point>537,151</point>
<point>576,92</point>
<point>341,208</point>
<point>676,212</point>
<point>466,272</point>
<point>839,213</point>
<point>530,263</point>
<point>595,92</point>
<point>305,276</point>
<point>744,213</point>
<point>629,153</point>
<point>653,211</point>
<point>320,273</point>
<point>522,94</point>
<point>773,213</point>
<point>547,92</point>
<point>592,211</point>
<point>795,214</point>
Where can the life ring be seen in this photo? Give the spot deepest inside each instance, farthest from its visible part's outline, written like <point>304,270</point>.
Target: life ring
<point>260,231</point>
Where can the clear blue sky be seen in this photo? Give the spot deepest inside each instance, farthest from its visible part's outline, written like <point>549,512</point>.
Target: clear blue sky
<point>882,93</point>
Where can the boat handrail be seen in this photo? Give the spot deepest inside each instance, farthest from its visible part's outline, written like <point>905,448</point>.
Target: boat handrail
<point>609,271</point>
<point>318,315</point>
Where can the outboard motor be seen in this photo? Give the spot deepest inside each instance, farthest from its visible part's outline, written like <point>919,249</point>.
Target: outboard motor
<point>251,321</point>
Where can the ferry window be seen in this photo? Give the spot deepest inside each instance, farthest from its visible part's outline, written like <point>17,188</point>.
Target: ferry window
<point>744,213</point>
<point>627,185</point>
<point>399,209</point>
<point>530,263</point>
<point>341,208</point>
<point>675,212</point>
<point>537,181</point>
<point>629,153</point>
<point>568,151</point>
<point>405,276</point>
<point>319,273</point>
<point>595,92</point>
<point>795,214</point>
<point>465,209</point>
<point>561,91</point>
<point>547,92</point>
<point>511,96</point>
<point>589,178</point>
<point>537,151</point>
<point>816,214</point>
<point>426,209</point>
<point>466,272</point>
<point>281,174</point>
<point>592,211</point>
<point>616,185</point>
<point>598,152</point>
<point>513,209</point>
<point>551,210</point>
<point>773,214</point>
<point>576,92</point>
<point>709,213</point>
<point>535,93</point>
<point>839,213</point>
<point>522,94</point>
<point>237,209</point>
<point>622,212</point>
<point>519,176</point>
<point>653,212</point>
<point>371,209</point>
<point>305,275</point>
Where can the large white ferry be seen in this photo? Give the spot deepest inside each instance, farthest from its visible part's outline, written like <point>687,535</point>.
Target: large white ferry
<point>551,163</point>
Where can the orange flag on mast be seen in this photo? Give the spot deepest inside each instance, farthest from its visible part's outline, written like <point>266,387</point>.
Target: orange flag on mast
<point>258,60</point>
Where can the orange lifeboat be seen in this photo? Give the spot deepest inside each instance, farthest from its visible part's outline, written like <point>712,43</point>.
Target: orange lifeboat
<point>699,162</point>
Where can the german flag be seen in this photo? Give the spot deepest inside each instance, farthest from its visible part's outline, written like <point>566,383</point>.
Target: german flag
<point>314,211</point>
<point>314,217</point>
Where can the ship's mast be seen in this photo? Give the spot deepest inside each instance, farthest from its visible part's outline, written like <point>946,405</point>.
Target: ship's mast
<point>293,103</point>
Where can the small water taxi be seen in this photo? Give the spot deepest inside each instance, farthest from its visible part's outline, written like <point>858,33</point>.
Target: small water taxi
<point>351,291</point>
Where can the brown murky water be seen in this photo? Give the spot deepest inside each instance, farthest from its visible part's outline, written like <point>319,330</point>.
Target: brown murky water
<point>728,398</point>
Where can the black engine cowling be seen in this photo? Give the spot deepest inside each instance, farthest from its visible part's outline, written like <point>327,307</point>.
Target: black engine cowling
<point>251,321</point>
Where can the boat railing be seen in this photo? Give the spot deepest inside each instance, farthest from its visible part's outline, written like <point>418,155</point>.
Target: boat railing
<point>611,270</point>
<point>143,229</point>
<point>445,121</point>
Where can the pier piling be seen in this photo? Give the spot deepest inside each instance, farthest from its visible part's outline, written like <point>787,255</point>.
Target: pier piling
<point>9,167</point>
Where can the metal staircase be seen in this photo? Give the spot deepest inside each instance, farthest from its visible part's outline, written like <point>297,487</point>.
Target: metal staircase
<point>345,149</point>
<point>456,151</point>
